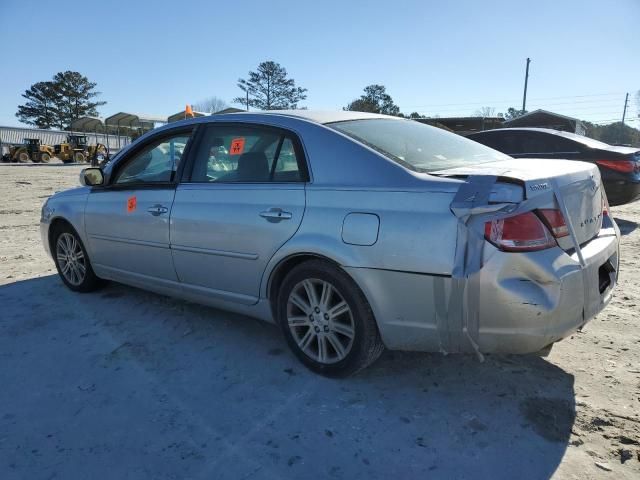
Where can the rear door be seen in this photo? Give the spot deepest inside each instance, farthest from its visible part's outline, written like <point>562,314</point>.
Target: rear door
<point>127,221</point>
<point>243,199</point>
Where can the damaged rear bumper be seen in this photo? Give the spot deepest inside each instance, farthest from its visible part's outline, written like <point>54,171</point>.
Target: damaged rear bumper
<point>526,301</point>
<point>529,301</point>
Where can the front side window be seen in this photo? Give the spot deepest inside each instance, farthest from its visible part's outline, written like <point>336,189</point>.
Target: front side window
<point>246,154</point>
<point>417,146</point>
<point>155,163</point>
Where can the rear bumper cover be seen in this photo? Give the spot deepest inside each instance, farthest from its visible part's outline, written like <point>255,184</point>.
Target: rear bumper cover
<point>527,301</point>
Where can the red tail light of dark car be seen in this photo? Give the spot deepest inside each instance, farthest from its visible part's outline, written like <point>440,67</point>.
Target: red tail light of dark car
<point>622,166</point>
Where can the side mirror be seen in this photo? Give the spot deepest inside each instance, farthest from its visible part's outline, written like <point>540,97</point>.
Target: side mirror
<point>91,177</point>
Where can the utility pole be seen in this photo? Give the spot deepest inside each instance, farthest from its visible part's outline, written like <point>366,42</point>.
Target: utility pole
<point>624,114</point>
<point>247,99</point>
<point>526,81</point>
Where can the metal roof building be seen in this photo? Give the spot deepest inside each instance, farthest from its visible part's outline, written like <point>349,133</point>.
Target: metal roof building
<point>464,125</point>
<point>16,135</point>
<point>545,119</point>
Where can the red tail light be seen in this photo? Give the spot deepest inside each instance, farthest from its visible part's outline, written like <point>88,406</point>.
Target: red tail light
<point>622,166</point>
<point>522,233</point>
<point>555,221</point>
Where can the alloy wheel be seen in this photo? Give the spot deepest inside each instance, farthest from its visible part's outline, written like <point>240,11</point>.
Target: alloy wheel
<point>320,321</point>
<point>71,259</point>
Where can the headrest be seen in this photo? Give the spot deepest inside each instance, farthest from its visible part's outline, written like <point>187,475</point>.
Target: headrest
<point>253,167</point>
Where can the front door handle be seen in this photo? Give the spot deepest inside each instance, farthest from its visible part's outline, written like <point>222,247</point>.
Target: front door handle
<point>157,210</point>
<point>275,214</point>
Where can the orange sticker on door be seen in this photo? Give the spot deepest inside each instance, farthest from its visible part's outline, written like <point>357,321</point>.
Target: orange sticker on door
<point>237,146</point>
<point>132,203</point>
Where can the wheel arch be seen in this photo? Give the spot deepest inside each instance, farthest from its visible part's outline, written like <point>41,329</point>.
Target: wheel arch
<point>56,224</point>
<point>283,267</point>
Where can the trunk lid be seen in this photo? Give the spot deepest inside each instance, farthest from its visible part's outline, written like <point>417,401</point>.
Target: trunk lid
<point>584,206</point>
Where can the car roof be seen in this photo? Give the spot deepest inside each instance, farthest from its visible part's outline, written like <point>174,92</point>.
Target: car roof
<point>317,116</point>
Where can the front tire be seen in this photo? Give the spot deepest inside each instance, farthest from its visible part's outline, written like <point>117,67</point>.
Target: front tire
<point>72,261</point>
<point>327,320</point>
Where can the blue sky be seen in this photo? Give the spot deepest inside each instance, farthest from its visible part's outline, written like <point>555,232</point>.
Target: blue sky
<point>434,57</point>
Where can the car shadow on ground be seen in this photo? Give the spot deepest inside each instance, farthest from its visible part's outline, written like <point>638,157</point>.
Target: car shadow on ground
<point>141,385</point>
<point>626,226</point>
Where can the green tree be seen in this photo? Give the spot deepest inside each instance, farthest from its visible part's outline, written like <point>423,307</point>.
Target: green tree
<point>75,97</point>
<point>375,100</point>
<point>415,115</point>
<point>268,88</point>
<point>40,107</point>
<point>513,113</point>
<point>613,133</point>
<point>362,105</point>
<point>60,101</point>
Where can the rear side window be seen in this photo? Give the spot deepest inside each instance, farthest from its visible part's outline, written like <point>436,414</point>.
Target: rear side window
<point>417,146</point>
<point>246,154</point>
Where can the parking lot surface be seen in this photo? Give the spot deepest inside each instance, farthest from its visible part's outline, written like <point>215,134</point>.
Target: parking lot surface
<point>122,383</point>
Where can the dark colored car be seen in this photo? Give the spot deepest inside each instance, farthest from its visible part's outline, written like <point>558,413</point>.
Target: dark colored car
<point>619,166</point>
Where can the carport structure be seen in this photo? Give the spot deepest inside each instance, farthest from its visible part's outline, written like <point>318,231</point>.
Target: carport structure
<point>90,125</point>
<point>131,122</point>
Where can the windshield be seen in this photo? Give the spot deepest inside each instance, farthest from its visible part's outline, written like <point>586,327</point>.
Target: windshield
<point>417,146</point>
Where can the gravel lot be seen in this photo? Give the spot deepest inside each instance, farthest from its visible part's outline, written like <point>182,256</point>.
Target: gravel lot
<point>127,384</point>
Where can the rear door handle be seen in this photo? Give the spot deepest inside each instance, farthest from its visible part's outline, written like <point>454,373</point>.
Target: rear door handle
<point>275,214</point>
<point>157,210</point>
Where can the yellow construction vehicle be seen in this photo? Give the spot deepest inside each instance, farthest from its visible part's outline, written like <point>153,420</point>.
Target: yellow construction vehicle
<point>97,154</point>
<point>73,150</point>
<point>30,150</point>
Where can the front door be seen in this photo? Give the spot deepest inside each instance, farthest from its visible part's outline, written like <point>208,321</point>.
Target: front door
<point>127,221</point>
<point>244,199</point>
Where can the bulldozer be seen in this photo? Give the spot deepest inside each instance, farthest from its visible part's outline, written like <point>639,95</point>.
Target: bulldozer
<point>76,149</point>
<point>30,150</point>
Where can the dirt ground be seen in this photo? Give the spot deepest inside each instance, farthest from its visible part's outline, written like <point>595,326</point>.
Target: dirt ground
<point>127,384</point>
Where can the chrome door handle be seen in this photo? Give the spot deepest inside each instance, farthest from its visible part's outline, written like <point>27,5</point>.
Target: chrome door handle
<point>157,210</point>
<point>275,214</point>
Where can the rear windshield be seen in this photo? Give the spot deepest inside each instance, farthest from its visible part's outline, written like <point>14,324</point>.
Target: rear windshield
<point>417,146</point>
<point>589,142</point>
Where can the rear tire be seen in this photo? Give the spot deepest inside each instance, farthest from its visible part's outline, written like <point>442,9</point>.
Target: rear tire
<point>72,261</point>
<point>78,157</point>
<point>45,157</point>
<point>23,157</point>
<point>326,320</point>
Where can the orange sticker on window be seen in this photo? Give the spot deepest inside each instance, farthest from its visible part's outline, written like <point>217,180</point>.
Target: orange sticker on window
<point>132,203</point>
<point>237,146</point>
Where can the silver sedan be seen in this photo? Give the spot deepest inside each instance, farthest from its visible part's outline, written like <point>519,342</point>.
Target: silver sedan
<point>351,231</point>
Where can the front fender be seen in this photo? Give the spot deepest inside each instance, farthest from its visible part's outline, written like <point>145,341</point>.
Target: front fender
<point>69,208</point>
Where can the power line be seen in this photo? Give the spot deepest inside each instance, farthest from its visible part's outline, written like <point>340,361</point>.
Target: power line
<point>512,100</point>
<point>537,105</point>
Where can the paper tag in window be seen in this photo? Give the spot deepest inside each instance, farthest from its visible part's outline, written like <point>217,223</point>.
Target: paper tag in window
<point>132,203</point>
<point>237,146</point>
